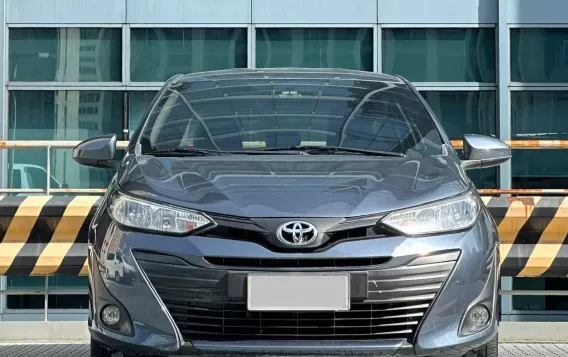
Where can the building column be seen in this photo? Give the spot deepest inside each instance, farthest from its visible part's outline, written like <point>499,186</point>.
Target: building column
<point>504,115</point>
<point>4,121</point>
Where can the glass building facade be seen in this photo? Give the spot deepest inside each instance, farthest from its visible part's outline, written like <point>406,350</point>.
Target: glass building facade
<point>493,67</point>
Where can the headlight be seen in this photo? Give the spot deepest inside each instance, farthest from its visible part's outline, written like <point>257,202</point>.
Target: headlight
<point>444,216</point>
<point>137,213</point>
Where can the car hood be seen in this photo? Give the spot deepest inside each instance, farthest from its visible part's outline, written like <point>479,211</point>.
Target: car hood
<point>292,186</point>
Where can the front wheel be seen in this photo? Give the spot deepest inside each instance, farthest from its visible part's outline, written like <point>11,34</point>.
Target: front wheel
<point>98,350</point>
<point>491,349</point>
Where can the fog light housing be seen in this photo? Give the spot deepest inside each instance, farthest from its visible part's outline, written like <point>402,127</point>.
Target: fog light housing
<point>110,315</point>
<point>477,318</point>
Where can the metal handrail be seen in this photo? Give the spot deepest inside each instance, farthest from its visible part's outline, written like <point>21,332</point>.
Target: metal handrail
<point>48,145</point>
<point>44,144</point>
<point>121,145</point>
<point>457,144</point>
<point>523,191</point>
<point>525,144</point>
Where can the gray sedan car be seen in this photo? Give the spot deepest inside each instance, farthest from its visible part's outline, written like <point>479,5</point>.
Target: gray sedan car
<point>293,211</point>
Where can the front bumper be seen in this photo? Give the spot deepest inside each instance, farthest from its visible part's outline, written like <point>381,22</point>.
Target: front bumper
<point>185,302</point>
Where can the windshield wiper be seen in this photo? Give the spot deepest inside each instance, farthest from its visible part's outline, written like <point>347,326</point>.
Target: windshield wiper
<point>336,150</point>
<point>186,152</point>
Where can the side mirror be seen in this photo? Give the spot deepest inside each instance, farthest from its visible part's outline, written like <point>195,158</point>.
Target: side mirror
<point>484,151</point>
<point>97,152</point>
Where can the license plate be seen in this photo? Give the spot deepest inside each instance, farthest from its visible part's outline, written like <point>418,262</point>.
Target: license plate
<point>298,292</point>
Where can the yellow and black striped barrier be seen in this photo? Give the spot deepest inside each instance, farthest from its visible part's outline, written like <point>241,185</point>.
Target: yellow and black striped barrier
<point>533,235</point>
<point>47,235</point>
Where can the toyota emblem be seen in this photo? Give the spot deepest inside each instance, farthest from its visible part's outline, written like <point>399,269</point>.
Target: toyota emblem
<point>297,233</point>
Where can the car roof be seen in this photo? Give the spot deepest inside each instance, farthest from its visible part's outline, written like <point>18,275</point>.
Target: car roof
<point>244,74</point>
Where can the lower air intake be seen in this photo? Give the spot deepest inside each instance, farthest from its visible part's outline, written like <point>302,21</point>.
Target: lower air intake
<point>198,300</point>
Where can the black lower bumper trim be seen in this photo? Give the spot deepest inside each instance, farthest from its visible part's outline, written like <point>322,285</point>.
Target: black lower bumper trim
<point>285,348</point>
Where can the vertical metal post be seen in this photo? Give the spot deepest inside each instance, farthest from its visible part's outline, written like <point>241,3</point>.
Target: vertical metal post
<point>251,48</point>
<point>503,71</point>
<point>46,299</point>
<point>125,119</point>
<point>504,111</point>
<point>378,50</point>
<point>126,54</point>
<point>48,169</point>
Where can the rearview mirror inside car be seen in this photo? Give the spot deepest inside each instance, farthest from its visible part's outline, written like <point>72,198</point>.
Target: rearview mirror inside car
<point>484,151</point>
<point>97,152</point>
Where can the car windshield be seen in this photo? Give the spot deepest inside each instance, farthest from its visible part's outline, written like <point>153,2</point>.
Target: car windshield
<point>264,111</point>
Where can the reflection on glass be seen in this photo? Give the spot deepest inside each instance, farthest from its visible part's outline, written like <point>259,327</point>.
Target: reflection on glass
<point>238,114</point>
<point>159,53</point>
<point>539,55</point>
<point>138,104</point>
<point>539,115</point>
<point>440,55</point>
<point>65,54</point>
<point>60,115</point>
<point>463,112</point>
<point>348,48</point>
<point>539,169</point>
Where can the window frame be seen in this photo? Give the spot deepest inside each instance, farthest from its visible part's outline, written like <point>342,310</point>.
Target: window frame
<point>57,83</point>
<point>375,32</point>
<point>444,26</point>
<point>127,35</point>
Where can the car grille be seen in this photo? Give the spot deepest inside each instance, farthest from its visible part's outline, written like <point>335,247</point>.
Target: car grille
<point>238,228</point>
<point>283,263</point>
<point>397,299</point>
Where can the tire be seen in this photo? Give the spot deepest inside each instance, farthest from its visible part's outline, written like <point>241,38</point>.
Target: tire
<point>117,277</point>
<point>98,350</point>
<point>491,349</point>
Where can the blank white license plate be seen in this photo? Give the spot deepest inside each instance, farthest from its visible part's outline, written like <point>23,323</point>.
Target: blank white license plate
<point>298,292</point>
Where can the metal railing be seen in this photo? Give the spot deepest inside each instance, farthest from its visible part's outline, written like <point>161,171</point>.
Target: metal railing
<point>48,145</point>
<point>526,144</point>
<point>121,145</point>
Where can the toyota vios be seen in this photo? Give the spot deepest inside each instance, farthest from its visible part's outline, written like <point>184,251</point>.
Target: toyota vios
<point>292,211</point>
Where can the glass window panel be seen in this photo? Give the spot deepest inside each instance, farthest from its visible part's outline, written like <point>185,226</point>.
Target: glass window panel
<point>391,119</point>
<point>61,115</point>
<point>138,104</point>
<point>348,48</point>
<point>37,283</point>
<point>440,55</point>
<point>67,282</point>
<point>65,54</point>
<point>467,112</point>
<point>32,283</point>
<point>36,302</point>
<point>25,282</point>
<point>539,115</point>
<point>159,53</point>
<point>540,303</point>
<point>68,302</point>
<point>25,302</point>
<point>539,55</point>
<point>484,178</point>
<point>464,112</point>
